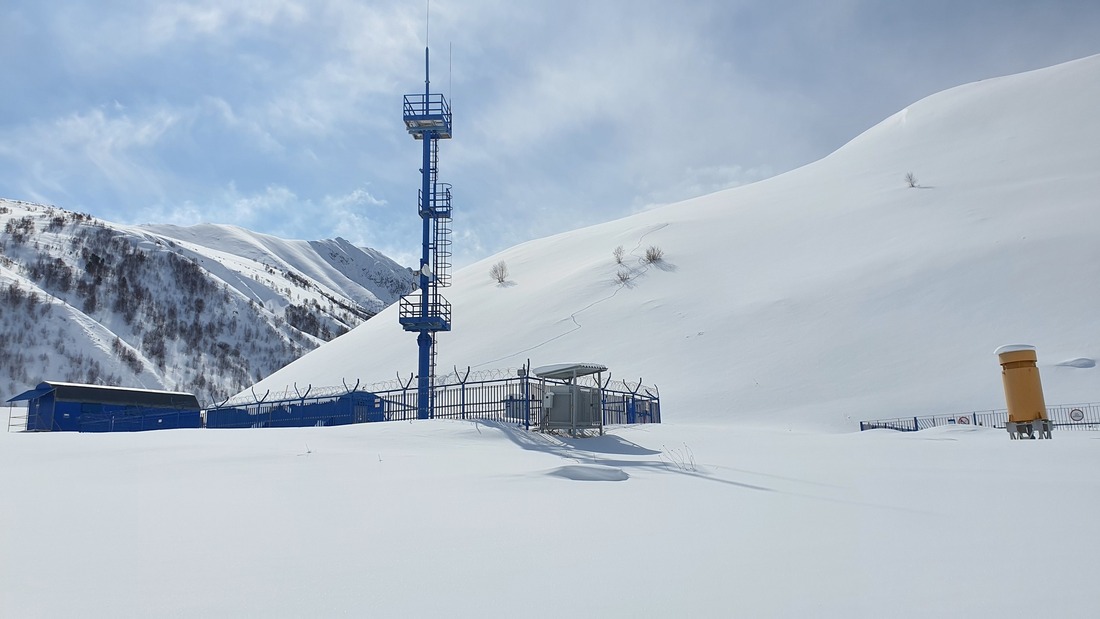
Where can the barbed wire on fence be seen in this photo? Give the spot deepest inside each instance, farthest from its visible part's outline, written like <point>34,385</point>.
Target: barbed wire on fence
<point>474,376</point>
<point>453,379</point>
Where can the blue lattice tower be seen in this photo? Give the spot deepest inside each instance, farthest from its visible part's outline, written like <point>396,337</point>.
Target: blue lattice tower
<point>428,119</point>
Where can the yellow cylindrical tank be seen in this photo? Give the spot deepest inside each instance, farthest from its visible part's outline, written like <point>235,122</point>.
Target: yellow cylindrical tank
<point>1023,390</point>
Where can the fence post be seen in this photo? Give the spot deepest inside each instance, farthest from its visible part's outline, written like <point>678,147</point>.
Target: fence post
<point>603,399</point>
<point>657,400</point>
<point>527,395</point>
<point>462,391</point>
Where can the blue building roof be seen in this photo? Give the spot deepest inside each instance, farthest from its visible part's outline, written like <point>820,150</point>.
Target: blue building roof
<point>100,394</point>
<point>32,394</point>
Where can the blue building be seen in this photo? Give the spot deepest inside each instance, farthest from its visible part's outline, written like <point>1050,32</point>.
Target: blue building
<point>349,408</point>
<point>71,407</point>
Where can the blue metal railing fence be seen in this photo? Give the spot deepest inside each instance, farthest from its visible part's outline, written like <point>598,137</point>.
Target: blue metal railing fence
<point>517,399</point>
<point>498,395</point>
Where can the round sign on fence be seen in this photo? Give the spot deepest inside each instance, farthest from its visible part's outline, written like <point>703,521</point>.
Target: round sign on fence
<point>964,420</point>
<point>1077,414</point>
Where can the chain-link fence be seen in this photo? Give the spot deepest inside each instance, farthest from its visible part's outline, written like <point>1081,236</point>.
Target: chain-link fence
<point>1063,416</point>
<point>494,395</point>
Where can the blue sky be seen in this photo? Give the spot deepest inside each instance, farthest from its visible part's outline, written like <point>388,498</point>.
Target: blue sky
<point>284,116</point>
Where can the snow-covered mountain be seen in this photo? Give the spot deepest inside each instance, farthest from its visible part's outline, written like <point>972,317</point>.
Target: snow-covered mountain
<point>834,292</point>
<point>208,309</point>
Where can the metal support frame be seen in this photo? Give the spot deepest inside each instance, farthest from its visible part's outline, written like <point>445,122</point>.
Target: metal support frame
<point>569,373</point>
<point>428,119</point>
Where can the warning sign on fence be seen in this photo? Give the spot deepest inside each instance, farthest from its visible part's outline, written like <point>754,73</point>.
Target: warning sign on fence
<point>1077,414</point>
<point>964,420</point>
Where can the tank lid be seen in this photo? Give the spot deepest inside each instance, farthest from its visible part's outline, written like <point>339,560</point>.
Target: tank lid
<point>1013,348</point>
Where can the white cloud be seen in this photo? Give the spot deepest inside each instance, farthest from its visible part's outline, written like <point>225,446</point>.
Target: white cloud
<point>274,203</point>
<point>363,53</point>
<point>257,133</point>
<point>108,145</point>
<point>284,115</point>
<point>360,198</point>
<point>168,21</point>
<point>147,28</point>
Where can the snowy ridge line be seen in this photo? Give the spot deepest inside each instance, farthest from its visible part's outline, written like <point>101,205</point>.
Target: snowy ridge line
<point>573,317</point>
<point>27,203</point>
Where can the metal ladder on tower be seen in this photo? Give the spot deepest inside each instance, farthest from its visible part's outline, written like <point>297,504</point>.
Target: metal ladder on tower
<point>441,213</point>
<point>439,205</point>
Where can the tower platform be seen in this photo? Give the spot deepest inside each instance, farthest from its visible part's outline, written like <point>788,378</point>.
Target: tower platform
<point>412,317</point>
<point>428,113</point>
<point>439,205</point>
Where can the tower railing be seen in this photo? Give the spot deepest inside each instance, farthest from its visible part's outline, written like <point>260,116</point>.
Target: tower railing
<point>427,112</point>
<point>411,315</point>
<point>440,203</point>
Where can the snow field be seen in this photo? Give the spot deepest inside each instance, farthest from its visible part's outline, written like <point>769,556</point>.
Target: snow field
<point>463,519</point>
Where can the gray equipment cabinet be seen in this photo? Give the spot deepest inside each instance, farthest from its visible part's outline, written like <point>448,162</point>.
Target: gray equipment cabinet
<point>570,407</point>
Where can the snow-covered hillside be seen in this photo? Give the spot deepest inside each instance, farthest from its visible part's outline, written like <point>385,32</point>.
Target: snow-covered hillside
<point>828,294</point>
<point>208,309</point>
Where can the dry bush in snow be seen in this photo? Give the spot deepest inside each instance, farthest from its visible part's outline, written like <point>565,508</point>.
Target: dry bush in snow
<point>499,272</point>
<point>653,254</point>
